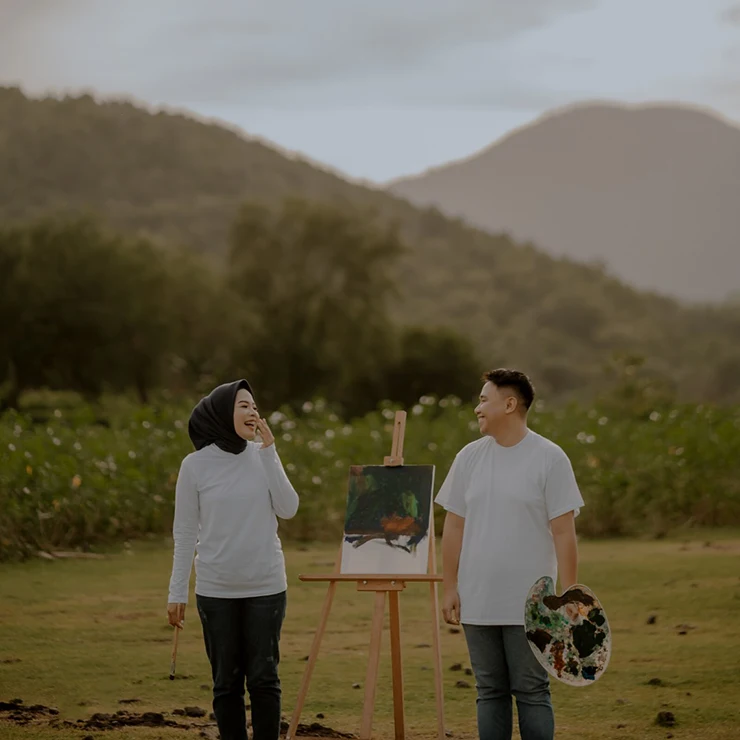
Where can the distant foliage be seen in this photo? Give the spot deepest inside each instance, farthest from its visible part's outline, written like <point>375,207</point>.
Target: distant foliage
<point>88,311</point>
<point>302,310</point>
<point>320,278</point>
<point>85,477</point>
<point>175,180</point>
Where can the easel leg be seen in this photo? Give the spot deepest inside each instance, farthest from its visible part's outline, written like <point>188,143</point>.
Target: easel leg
<point>436,645</point>
<point>396,665</point>
<point>312,656</point>
<point>371,679</point>
<point>437,659</point>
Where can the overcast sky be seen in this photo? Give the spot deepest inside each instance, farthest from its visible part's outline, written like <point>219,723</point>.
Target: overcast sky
<point>377,88</point>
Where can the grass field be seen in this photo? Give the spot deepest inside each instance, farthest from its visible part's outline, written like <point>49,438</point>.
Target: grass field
<point>82,635</point>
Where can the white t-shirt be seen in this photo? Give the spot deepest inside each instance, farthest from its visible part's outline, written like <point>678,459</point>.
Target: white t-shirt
<point>507,495</point>
<point>226,505</point>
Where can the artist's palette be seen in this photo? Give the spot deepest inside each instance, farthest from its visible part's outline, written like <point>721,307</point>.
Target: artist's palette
<point>569,634</point>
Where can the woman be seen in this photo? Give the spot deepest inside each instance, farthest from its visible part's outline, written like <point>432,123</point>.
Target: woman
<point>228,495</point>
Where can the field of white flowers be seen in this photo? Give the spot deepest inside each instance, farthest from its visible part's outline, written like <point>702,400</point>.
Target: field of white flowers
<point>81,477</point>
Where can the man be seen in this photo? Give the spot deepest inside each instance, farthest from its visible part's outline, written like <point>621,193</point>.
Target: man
<point>511,499</point>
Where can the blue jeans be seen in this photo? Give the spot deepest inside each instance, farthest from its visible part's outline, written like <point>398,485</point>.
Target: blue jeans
<point>242,643</point>
<point>503,665</point>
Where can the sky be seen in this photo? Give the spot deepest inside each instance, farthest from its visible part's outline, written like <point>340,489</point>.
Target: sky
<point>377,88</point>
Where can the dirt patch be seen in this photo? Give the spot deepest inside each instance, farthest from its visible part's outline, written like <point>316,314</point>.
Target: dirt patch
<point>315,729</point>
<point>122,718</point>
<point>18,712</point>
<point>17,705</point>
<point>190,712</point>
<point>102,721</point>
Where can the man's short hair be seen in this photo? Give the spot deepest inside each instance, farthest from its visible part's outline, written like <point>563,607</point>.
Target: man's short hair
<point>514,380</point>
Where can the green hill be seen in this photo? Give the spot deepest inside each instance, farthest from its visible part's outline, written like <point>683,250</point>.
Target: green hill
<point>181,180</point>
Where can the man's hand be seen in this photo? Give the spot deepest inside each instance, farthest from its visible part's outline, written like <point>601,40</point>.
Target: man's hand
<point>451,607</point>
<point>265,433</point>
<point>176,615</point>
<point>452,537</point>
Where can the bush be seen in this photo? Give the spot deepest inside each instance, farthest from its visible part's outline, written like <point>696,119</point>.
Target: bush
<point>82,479</point>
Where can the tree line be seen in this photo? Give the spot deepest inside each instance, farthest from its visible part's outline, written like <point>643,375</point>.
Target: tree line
<point>302,308</point>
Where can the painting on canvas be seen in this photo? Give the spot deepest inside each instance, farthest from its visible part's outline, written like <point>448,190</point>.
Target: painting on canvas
<point>386,527</point>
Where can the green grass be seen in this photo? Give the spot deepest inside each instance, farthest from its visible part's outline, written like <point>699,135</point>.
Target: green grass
<point>89,633</point>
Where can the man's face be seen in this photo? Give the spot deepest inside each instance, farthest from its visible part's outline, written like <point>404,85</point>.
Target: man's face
<point>496,404</point>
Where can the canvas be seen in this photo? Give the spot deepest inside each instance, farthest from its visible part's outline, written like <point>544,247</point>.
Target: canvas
<point>386,528</point>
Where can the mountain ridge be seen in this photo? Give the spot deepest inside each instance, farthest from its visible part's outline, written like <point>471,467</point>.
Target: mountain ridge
<point>634,187</point>
<point>605,103</point>
<point>178,180</point>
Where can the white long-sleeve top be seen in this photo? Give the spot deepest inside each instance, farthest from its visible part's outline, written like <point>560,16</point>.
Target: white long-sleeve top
<point>227,506</point>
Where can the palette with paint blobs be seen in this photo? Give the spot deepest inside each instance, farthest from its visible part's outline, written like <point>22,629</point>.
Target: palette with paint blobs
<point>569,634</point>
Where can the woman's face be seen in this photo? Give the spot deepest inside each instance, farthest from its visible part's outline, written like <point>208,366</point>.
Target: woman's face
<point>246,415</point>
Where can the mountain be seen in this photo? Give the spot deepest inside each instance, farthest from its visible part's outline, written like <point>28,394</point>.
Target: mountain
<point>652,192</point>
<point>180,181</point>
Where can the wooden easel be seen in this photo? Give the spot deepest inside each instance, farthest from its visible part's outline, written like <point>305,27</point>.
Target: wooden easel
<point>382,585</point>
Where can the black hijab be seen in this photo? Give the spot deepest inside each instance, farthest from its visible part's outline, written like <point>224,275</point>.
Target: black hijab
<point>212,420</point>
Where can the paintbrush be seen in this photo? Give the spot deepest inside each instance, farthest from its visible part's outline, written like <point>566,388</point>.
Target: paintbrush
<point>174,654</point>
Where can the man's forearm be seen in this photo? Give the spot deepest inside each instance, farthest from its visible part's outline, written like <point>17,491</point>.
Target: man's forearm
<point>452,536</point>
<point>566,549</point>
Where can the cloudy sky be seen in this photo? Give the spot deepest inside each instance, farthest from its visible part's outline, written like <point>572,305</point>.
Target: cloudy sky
<point>377,88</point>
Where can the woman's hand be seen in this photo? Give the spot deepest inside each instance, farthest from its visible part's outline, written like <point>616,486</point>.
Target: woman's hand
<point>176,615</point>
<point>265,433</point>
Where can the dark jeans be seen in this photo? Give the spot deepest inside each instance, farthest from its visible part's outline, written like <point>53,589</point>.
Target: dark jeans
<point>503,665</point>
<point>242,643</point>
